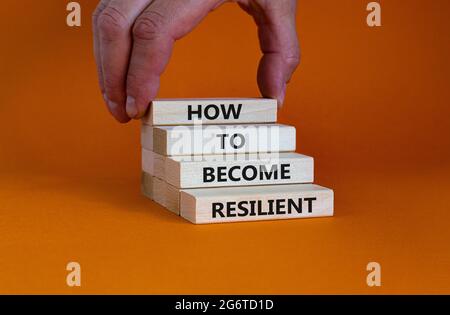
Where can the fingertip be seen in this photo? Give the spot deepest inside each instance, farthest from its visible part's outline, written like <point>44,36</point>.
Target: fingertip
<point>116,110</point>
<point>281,96</point>
<point>271,79</point>
<point>122,119</point>
<point>134,109</point>
<point>120,116</point>
<point>112,106</point>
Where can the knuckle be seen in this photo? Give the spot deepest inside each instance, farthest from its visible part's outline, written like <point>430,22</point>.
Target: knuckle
<point>112,23</point>
<point>98,10</point>
<point>149,26</point>
<point>292,58</point>
<point>293,62</point>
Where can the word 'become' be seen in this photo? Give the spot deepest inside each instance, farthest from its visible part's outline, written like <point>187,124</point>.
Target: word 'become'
<point>248,173</point>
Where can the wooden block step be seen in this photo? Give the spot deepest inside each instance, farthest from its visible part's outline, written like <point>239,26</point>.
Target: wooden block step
<point>234,204</point>
<point>211,111</point>
<point>218,139</point>
<point>153,163</point>
<point>147,185</point>
<point>161,192</point>
<point>252,203</point>
<point>154,188</point>
<point>230,169</point>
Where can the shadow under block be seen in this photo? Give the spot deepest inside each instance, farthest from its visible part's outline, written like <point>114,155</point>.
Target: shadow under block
<point>253,203</point>
<point>230,170</point>
<point>218,139</point>
<point>211,111</point>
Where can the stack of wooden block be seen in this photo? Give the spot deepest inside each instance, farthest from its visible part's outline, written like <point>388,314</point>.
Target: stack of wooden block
<point>227,160</point>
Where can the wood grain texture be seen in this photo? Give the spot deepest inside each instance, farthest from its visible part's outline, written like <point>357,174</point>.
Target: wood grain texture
<point>147,185</point>
<point>218,139</point>
<point>253,203</point>
<point>147,137</point>
<point>237,170</point>
<point>161,192</point>
<point>211,111</point>
<point>153,163</point>
<point>172,198</point>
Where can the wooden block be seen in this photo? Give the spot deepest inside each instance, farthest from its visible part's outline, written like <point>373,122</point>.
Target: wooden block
<point>161,192</point>
<point>172,196</point>
<point>219,139</point>
<point>252,203</point>
<point>147,137</point>
<point>211,111</point>
<point>238,170</point>
<point>147,185</point>
<point>153,188</point>
<point>153,163</point>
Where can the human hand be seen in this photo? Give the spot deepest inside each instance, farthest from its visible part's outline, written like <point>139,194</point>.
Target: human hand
<point>133,41</point>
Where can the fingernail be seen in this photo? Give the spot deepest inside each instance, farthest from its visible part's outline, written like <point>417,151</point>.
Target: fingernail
<point>132,110</point>
<point>112,105</point>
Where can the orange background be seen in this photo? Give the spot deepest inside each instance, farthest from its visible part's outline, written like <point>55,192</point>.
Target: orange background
<point>370,104</point>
